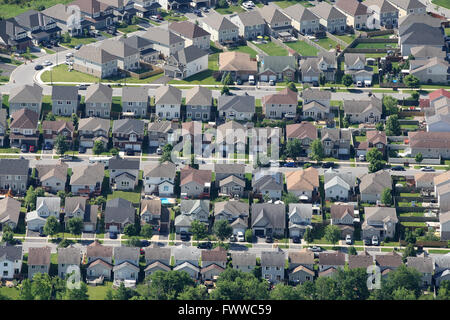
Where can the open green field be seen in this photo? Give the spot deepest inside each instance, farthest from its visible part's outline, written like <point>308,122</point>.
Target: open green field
<point>326,43</point>
<point>376,45</point>
<point>303,48</point>
<point>230,10</point>
<point>272,49</point>
<point>15,8</point>
<point>74,41</point>
<point>442,3</point>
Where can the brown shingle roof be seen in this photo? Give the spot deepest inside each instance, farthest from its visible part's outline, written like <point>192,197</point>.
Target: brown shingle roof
<point>39,256</point>
<point>422,139</point>
<point>303,179</point>
<point>337,211</point>
<point>236,61</point>
<point>392,259</point>
<point>189,174</point>
<point>332,258</point>
<point>96,249</point>
<point>24,118</point>
<point>301,257</point>
<point>216,254</point>
<point>301,130</point>
<point>57,125</point>
<point>188,29</point>
<point>360,261</point>
<point>285,96</point>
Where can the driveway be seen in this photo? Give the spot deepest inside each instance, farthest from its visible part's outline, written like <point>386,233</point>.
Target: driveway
<point>162,80</point>
<point>7,68</point>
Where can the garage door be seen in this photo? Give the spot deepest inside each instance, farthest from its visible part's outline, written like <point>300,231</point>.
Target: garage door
<point>273,77</point>
<point>294,233</point>
<point>136,147</point>
<point>186,229</point>
<point>259,233</point>
<point>263,78</point>
<point>128,147</point>
<point>343,151</point>
<point>89,228</point>
<point>113,229</point>
<point>154,143</point>
<point>87,144</point>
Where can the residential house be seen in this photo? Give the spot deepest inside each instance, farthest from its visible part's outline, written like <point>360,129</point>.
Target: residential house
<point>65,100</point>
<point>238,64</point>
<point>186,62</point>
<point>126,264</point>
<point>127,56</point>
<point>192,34</point>
<point>424,265</point>
<point>52,129</point>
<point>100,14</point>
<point>268,183</point>
<point>305,131</point>
<point>12,35</point>
<point>301,264</point>
<point>118,214</point>
<point>355,65</point>
<point>337,189</point>
<point>430,144</point>
<point>363,111</point>
<point>331,19</point>
<point>39,27</point>
<point>444,228</point>
<point>388,262</point>
<point>144,46</point>
<point>336,142</point>
<point>235,212</point>
<point>364,260</point>
<point>162,132</point>
<point>128,134</point>
<point>3,126</point>
<point>277,68</point>
<point>69,260</point>
<point>303,183</point>
<point>220,28</point>
<point>198,103</point>
<point>272,266</point>
<point>356,13</point>
<point>302,19</point>
<point>99,260</point>
<point>217,256</point>
<point>276,21</point>
<point>316,111</point>
<point>191,210</point>
<point>374,139</point>
<point>192,270</point>
<point>156,258</point>
<point>441,268</point>
<point>146,8</point>
<point>250,23</point>
<point>159,178</point>
<point>79,207</point>
<point>426,53</point>
<point>424,180</point>
<point>299,215</point>
<point>45,207</point>
<point>52,177</point>
<point>438,122</point>
<point>98,100</point>
<point>380,222</point>
<point>95,61</point>
<point>321,96</point>
<point>93,129</point>
<point>280,105</point>
<point>407,7</point>
<point>183,253</point>
<point>433,70</point>
<point>335,260</point>
<point>211,272</point>
<point>313,68</point>
<point>383,13</point>
<point>24,128</point>
<point>135,101</point>
<point>38,260</point>
<point>372,185</point>
<point>195,183</point>
<point>10,262</point>
<point>243,261</point>
<point>347,177</point>
<point>443,197</point>
<point>14,175</point>
<point>231,138</point>
<point>10,212</point>
<point>168,102</point>
<point>156,215</point>
<point>87,179</point>
<point>64,15</point>
<point>239,108</point>
<point>225,170</point>
<point>268,219</point>
<point>343,215</point>
<point>165,41</point>
<point>123,173</point>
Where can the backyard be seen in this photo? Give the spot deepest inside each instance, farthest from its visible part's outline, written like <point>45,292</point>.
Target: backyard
<point>347,38</point>
<point>74,41</point>
<point>303,48</point>
<point>326,43</point>
<point>272,49</point>
<point>382,45</point>
<point>245,49</point>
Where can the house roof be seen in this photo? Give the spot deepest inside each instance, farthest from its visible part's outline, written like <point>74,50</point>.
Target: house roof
<point>126,253</point>
<point>187,207</point>
<point>266,180</point>
<point>58,171</point>
<point>64,93</point>
<point>391,259</point>
<point>87,174</point>
<point>427,140</point>
<point>277,63</point>
<point>327,11</point>
<point>304,269</point>
<point>135,94</point>
<point>189,54</point>
<point>360,261</point>
<point>58,125</point>
<point>444,217</point>
<point>380,214</point>
<point>338,211</point>
<point>273,15</point>
<point>316,94</point>
<point>285,96</point>
<point>383,5</point>
<point>216,254</point>
<point>120,211</point>
<point>243,259</point>
<point>275,214</point>
<point>303,179</point>
<point>438,93</point>
<point>189,174</point>
<point>162,36</point>
<point>157,265</point>
<point>237,61</point>
<point>186,265</point>
<point>93,124</point>
<point>299,12</point>
<point>123,164</point>
<point>236,103</point>
<point>273,258</point>
<point>119,49</point>
<point>302,256</point>
<point>332,258</point>
<point>352,7</point>
<point>96,249</point>
<point>151,205</point>
<point>52,203</point>
<point>162,126</point>
<point>199,96</point>
<point>72,204</point>
<point>304,210</point>
<point>94,54</point>
<point>428,52</point>
<point>186,253</point>
<point>14,167</point>
<point>167,94</point>
<point>98,92</point>
<point>442,178</point>
<point>251,18</point>
<point>231,130</point>
<point>136,42</point>
<point>362,106</point>
<point>24,119</point>
<point>164,170</point>
<point>188,29</point>
<point>234,207</point>
<point>39,256</point>
<point>211,267</point>
<point>421,264</point>
<point>301,130</point>
<point>425,177</point>
<point>127,126</point>
<point>69,255</point>
<point>229,168</point>
<point>26,94</point>
<point>408,4</point>
<point>421,34</point>
<point>11,253</point>
<point>100,261</point>
<point>157,253</point>
<point>219,22</point>
<point>314,105</point>
<point>375,182</point>
<point>374,137</point>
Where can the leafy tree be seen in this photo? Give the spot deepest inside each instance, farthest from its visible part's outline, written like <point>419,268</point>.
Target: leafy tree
<point>332,233</point>
<point>225,90</point>
<point>346,121</point>
<point>166,153</point>
<point>165,285</point>
<point>322,79</point>
<point>98,147</point>
<point>410,237</point>
<point>66,37</point>
<point>63,195</point>
<point>386,197</point>
<point>194,293</point>
<point>326,289</point>
<point>30,199</point>
<point>308,236</point>
<point>418,158</point>
<point>248,235</point>
<point>415,96</point>
<point>134,242</point>
<point>352,284</point>
<point>123,293</point>
<point>135,20</point>
<point>293,148</point>
<point>390,105</point>
<point>379,126</point>
<point>306,291</point>
<point>50,116</point>
<point>75,225</point>
<point>317,152</point>
<point>75,120</point>
<point>25,290</point>
<point>61,144</point>
<point>114,151</point>
<point>352,251</point>
<point>409,252</point>
<point>284,292</point>
<point>374,157</point>
<point>147,231</point>
<point>393,126</point>
<point>444,290</point>
<point>77,294</point>
<point>403,294</point>
<point>289,198</point>
<point>100,201</point>
<point>39,192</point>
<point>347,80</point>
<point>198,230</point>
<point>8,237</point>
<point>375,166</point>
<point>222,229</point>
<point>292,86</point>
<point>41,287</point>
<point>51,226</point>
<point>130,230</point>
<point>411,81</point>
<point>227,80</point>
<point>402,277</point>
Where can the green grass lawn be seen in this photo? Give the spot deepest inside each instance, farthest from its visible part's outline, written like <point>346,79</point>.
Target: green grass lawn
<point>303,48</point>
<point>204,77</point>
<point>384,36</point>
<point>74,41</point>
<point>347,38</point>
<point>447,31</point>
<point>99,292</point>
<point>436,251</point>
<point>326,43</point>
<point>129,28</point>
<point>376,45</point>
<point>284,4</point>
<point>375,55</point>
<point>402,194</point>
<point>12,9</point>
<point>230,10</point>
<point>360,138</point>
<point>131,196</point>
<point>442,3</point>
<point>11,293</point>
<point>246,49</point>
<point>272,49</point>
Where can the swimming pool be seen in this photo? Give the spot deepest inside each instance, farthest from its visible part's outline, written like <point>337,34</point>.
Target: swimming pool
<point>165,201</point>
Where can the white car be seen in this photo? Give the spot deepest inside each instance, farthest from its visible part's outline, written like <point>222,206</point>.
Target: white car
<point>359,84</point>
<point>240,236</point>
<point>348,239</point>
<point>47,63</point>
<point>375,241</point>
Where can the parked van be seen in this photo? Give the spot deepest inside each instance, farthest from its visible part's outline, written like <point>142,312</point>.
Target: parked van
<point>104,160</point>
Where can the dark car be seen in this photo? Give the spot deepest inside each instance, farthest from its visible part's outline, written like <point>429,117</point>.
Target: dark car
<point>315,84</point>
<point>130,153</point>
<point>184,236</point>
<point>81,149</point>
<point>296,239</point>
<point>83,86</point>
<point>269,239</point>
<point>328,165</point>
<point>145,243</point>
<point>112,235</point>
<point>78,46</point>
<point>290,164</point>
<point>205,245</point>
<point>41,232</point>
<point>23,148</point>
<point>38,67</point>
<point>48,146</point>
<point>398,168</point>
<point>367,242</point>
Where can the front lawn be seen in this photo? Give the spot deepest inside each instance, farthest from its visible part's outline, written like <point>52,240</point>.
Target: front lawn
<point>272,49</point>
<point>303,48</point>
<point>442,3</point>
<point>230,10</point>
<point>129,28</point>
<point>74,41</point>
<point>360,138</point>
<point>11,293</point>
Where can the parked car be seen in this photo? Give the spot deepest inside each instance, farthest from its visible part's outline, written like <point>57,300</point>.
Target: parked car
<point>38,67</point>
<point>315,84</point>
<point>66,158</point>
<point>48,146</point>
<point>23,148</point>
<point>362,157</point>
<point>83,86</point>
<point>290,164</point>
<point>112,235</point>
<point>375,241</point>
<point>41,232</point>
<point>81,149</point>
<point>359,84</point>
<point>348,239</point>
<point>204,245</point>
<point>251,80</point>
<point>32,149</point>
<point>240,236</point>
<point>269,239</point>
<point>367,242</point>
<point>328,165</point>
<point>296,239</point>
<point>159,151</point>
<point>129,152</point>
<point>145,243</point>
<point>429,169</point>
<point>78,46</point>
<point>271,82</point>
<point>47,63</point>
<point>315,249</point>
<point>233,238</point>
<point>398,168</point>
<point>184,236</point>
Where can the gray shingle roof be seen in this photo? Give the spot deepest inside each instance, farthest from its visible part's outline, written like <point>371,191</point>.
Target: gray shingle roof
<point>99,92</point>
<point>164,170</point>
<point>251,18</point>
<point>408,4</point>
<point>9,210</point>
<point>273,258</point>
<point>229,168</point>
<point>188,206</point>
<point>94,124</point>
<point>421,264</point>
<point>243,259</point>
<point>188,29</point>
<point>87,174</point>
<point>52,203</point>
<point>10,253</point>
<point>327,11</point>
<point>126,126</point>
<point>119,210</point>
<point>162,126</point>
<point>315,94</point>
<point>267,181</point>
<point>277,63</point>
<point>360,106</point>
<point>69,255</point>
<point>64,93</point>
<point>189,54</point>
<point>126,253</point>
<point>236,103</point>
<point>167,95</point>
<point>26,93</point>
<point>273,15</point>
<point>219,22</point>
<point>121,163</point>
<point>162,36</point>
<point>157,253</point>
<point>274,213</point>
<point>39,256</point>
<point>234,207</point>
<point>136,42</point>
<point>118,48</point>
<point>199,96</point>
<point>186,253</point>
<point>135,94</point>
<point>14,167</point>
<point>299,12</point>
<point>94,54</point>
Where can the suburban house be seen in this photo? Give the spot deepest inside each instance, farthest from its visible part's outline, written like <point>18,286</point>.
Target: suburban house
<point>220,28</point>
<point>238,64</point>
<point>230,178</point>
<point>145,8</point>
<point>424,265</point>
<point>191,210</point>
<point>65,100</point>
<point>356,13</point>
<point>374,139</point>
<point>407,7</point>
<point>69,260</point>
<point>38,260</point>
<point>162,132</point>
<point>299,215</point>
<point>355,65</point>
<point>433,70</point>
<point>243,261</point>
<point>303,183</point>
<point>251,24</point>
<point>276,21</point>
<point>388,262</point>
<point>62,15</point>
<point>364,260</point>
<point>10,213</point>
<point>426,53</point>
<point>277,68</point>
<point>211,272</point>
<point>267,183</point>
<point>302,19</point>
<point>52,177</point>
<point>127,56</point>
<point>99,259</point>
<point>321,96</point>
<point>336,142</point>
<point>154,253</point>
<point>443,197</point>
<point>100,14</point>
<point>316,111</point>
<point>128,134</point>
<point>343,215</point>
<point>280,105</point>
<point>166,42</point>
<point>123,173</point>
<point>312,68</point>
<point>239,108</point>
<point>195,183</point>
<point>372,185</point>
<point>192,34</point>
<point>154,214</point>
<point>305,131</point>
<point>231,138</point>
<point>12,35</point>
<point>217,256</point>
<point>14,175</point>
<point>135,101</point>
<point>198,103</point>
<point>380,222</point>
<point>144,46</point>
<point>444,222</point>
<point>268,219</point>
<point>430,144</point>
<point>363,111</point>
<point>93,129</point>
<point>45,207</point>
<point>156,266</point>
<point>79,207</point>
<point>192,270</point>
<point>118,214</point>
<point>425,180</point>
<point>330,18</point>
<point>98,100</point>
<point>183,253</point>
<point>10,261</point>
<point>235,212</point>
<point>383,13</point>
<point>87,179</point>
<point>301,266</point>
<point>24,128</point>
<point>272,266</point>
<point>168,102</point>
<point>186,62</point>
<point>95,61</point>
<point>441,268</point>
<point>3,126</point>
<point>52,129</point>
<point>339,185</point>
<point>126,264</point>
<point>159,178</point>
<point>333,260</point>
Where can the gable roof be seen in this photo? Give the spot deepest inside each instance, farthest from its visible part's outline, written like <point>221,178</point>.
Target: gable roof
<point>243,259</point>
<point>301,130</point>
<point>383,5</point>
<point>118,48</point>
<point>392,259</point>
<point>162,36</point>
<point>304,210</point>
<point>39,256</point>
<point>58,126</point>
<point>274,213</point>
<point>380,214</point>
<point>87,174</point>
<point>303,179</point>
<point>11,253</point>
<point>219,22</point>
<point>135,94</point>
<point>338,211</point>
<point>327,12</point>
<point>251,18</point>
<point>165,170</point>
<point>421,264</point>
<point>186,253</point>
<point>408,4</point>
<point>167,94</point>
<point>189,54</point>
<point>24,119</point>
<point>98,92</point>
<point>352,7</point>
<point>95,54</point>
<point>18,167</point>
<point>216,254</point>
<point>120,211</point>
<point>285,96</point>
<point>236,103</point>
<point>273,258</point>
<point>96,249</point>
<point>122,163</point>
<point>126,253</point>
<point>273,15</point>
<point>234,207</point>
<point>58,171</point>
<point>277,63</point>
<point>375,182</point>
<point>188,29</point>
<point>69,256</point>
<point>189,174</point>
<point>93,124</point>
<point>229,168</point>
<point>302,256</point>
<point>267,180</point>
<point>332,258</point>
<point>9,210</point>
<point>360,261</point>
<point>199,96</point>
<point>236,61</point>
<point>299,12</point>
<point>64,93</point>
<point>187,207</point>
<point>316,94</point>
<point>127,126</point>
<point>427,140</point>
<point>154,252</point>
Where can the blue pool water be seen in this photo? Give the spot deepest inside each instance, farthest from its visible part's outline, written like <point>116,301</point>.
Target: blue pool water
<point>164,201</point>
